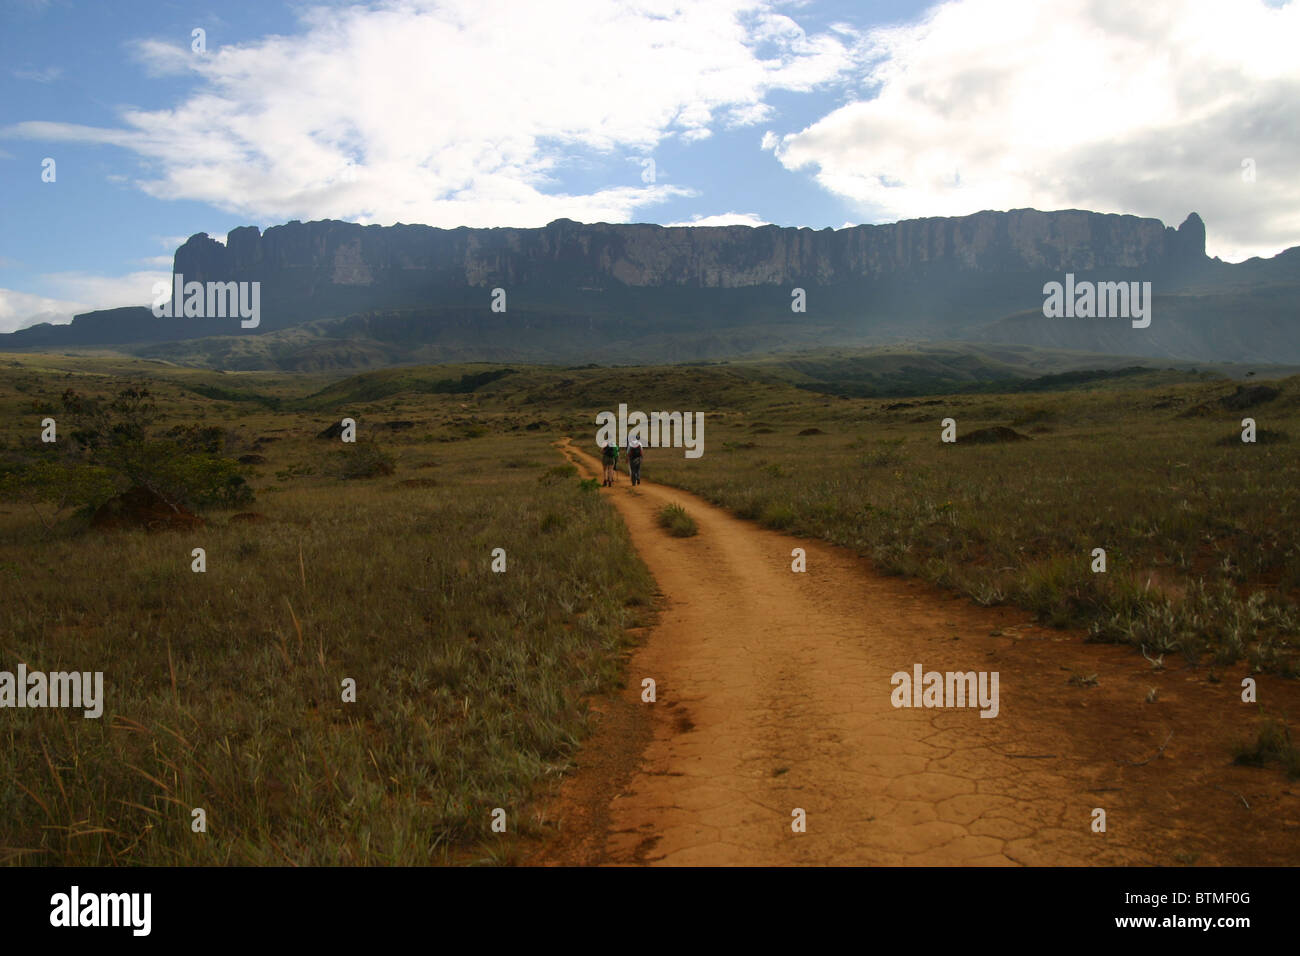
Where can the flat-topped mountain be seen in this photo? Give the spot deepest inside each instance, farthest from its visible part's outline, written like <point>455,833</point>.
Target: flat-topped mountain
<point>329,254</point>
<point>575,291</point>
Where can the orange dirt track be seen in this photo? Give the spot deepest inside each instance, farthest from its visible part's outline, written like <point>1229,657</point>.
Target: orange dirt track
<point>774,693</point>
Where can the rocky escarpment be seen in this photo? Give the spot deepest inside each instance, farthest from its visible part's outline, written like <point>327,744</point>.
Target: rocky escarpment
<point>316,256</point>
<point>573,287</point>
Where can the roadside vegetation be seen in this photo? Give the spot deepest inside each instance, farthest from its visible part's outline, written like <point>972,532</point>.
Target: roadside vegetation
<point>1202,555</point>
<point>675,520</point>
<point>373,563</point>
<point>224,690</point>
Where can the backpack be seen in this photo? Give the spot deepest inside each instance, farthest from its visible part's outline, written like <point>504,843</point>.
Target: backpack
<point>609,454</point>
<point>634,453</point>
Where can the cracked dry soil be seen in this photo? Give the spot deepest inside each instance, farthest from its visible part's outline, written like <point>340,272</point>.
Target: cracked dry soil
<point>773,693</point>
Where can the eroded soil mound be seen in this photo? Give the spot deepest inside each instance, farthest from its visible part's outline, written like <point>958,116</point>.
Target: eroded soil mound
<point>143,508</point>
<point>333,431</point>
<point>248,517</point>
<point>1248,396</point>
<point>991,436</point>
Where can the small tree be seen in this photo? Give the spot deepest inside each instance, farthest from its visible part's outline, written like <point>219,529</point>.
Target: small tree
<point>365,460</point>
<point>112,449</point>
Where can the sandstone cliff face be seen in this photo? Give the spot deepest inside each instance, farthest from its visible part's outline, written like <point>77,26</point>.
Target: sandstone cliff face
<point>313,258</point>
<point>939,277</point>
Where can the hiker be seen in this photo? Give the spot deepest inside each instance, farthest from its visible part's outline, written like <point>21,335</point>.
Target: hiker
<point>634,460</point>
<point>609,458</point>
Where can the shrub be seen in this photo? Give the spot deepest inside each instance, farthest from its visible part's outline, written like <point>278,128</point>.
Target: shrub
<point>677,521</point>
<point>113,449</point>
<point>1272,745</point>
<point>366,460</point>
<point>778,517</point>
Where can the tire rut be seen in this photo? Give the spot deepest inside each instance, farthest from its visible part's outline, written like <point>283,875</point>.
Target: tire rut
<point>773,695</point>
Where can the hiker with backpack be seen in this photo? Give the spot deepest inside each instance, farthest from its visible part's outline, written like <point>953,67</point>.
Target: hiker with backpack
<point>634,460</point>
<point>609,458</point>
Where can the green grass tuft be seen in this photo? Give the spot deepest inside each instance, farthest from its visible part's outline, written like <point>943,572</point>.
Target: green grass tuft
<point>678,523</point>
<point>1273,744</point>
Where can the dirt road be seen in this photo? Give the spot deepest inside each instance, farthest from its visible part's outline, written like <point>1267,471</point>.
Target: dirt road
<point>774,696</point>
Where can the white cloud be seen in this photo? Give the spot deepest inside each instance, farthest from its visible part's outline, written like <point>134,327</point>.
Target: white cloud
<point>69,133</point>
<point>75,292</point>
<point>107,292</point>
<point>434,112</point>
<point>1147,109</point>
<point>723,219</point>
<point>47,75</point>
<point>21,309</point>
<point>748,115</point>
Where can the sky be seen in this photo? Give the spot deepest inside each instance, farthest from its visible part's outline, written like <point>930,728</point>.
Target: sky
<point>127,126</point>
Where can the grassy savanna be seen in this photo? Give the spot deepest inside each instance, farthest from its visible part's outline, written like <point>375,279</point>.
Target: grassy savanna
<point>224,689</point>
<point>1199,528</point>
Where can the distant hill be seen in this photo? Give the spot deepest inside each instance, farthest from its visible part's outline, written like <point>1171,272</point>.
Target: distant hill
<point>828,376</point>
<point>340,295</point>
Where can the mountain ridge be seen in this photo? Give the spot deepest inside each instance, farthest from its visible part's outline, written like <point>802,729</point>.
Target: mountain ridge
<point>575,291</point>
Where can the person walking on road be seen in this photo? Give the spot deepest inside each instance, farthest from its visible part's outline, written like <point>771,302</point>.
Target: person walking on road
<point>609,458</point>
<point>634,460</point>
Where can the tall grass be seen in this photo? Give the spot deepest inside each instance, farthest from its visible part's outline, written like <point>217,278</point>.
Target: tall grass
<point>224,690</point>
<point>1200,538</point>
